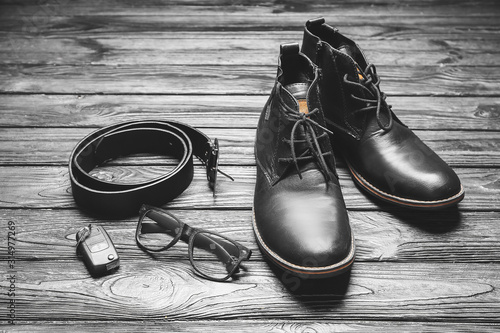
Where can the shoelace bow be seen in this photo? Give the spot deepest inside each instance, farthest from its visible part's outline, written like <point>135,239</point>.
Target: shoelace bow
<point>371,85</point>
<point>304,120</point>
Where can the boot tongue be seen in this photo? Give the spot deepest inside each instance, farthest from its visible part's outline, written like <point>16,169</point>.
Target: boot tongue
<point>352,52</point>
<point>299,91</point>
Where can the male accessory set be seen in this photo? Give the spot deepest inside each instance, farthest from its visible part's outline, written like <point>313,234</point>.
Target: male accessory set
<point>326,95</point>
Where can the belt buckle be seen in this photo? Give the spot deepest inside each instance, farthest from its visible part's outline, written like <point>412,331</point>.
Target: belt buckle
<point>213,164</point>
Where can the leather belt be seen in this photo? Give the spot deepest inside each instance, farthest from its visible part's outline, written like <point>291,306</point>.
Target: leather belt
<point>158,137</point>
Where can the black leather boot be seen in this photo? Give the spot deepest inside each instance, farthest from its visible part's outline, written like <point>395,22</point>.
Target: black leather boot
<point>384,156</point>
<point>300,219</point>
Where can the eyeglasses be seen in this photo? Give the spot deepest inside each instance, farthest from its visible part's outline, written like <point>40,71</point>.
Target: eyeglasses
<point>213,256</point>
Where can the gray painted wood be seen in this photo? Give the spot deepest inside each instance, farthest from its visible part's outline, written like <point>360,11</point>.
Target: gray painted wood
<point>67,69</point>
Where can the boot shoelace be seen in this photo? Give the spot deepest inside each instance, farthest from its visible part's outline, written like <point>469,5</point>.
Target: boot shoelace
<point>370,84</point>
<point>304,120</point>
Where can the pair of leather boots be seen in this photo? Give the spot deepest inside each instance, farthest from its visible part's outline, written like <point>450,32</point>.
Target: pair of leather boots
<point>326,94</point>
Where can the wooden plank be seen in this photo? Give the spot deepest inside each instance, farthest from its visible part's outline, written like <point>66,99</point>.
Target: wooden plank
<point>154,290</point>
<point>157,79</point>
<point>435,113</point>
<point>158,4</point>
<point>469,19</point>
<point>389,236</point>
<point>49,187</point>
<point>49,146</point>
<point>221,49</point>
<point>247,326</point>
<point>345,8</point>
<point>230,18</point>
<point>407,27</point>
<point>362,34</point>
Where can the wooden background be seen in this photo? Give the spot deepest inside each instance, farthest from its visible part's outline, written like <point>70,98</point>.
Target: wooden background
<point>69,67</point>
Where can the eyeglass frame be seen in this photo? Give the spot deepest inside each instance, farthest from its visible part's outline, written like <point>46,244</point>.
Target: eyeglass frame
<point>190,232</point>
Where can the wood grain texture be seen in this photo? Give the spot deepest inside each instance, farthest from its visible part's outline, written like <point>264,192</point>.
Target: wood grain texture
<point>49,146</point>
<point>245,326</point>
<point>155,290</point>
<point>392,235</point>
<point>49,187</point>
<point>223,49</point>
<point>251,80</point>
<point>165,7</point>
<point>69,67</point>
<point>241,111</point>
<point>70,20</point>
<point>435,20</point>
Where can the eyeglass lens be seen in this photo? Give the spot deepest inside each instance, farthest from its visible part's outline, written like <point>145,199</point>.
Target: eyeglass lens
<point>156,236</point>
<point>213,255</point>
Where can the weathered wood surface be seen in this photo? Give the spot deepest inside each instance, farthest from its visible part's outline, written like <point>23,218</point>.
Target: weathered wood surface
<point>67,68</point>
<point>46,146</point>
<point>49,187</point>
<point>390,235</point>
<point>145,290</point>
<point>273,326</point>
<point>224,49</point>
<point>204,79</point>
<point>98,45</point>
<point>342,7</point>
<point>249,18</point>
<point>41,110</point>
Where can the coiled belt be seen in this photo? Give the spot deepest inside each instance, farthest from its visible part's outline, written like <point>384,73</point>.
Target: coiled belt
<point>158,137</point>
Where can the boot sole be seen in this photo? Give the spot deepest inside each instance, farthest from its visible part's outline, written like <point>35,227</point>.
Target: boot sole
<point>404,202</point>
<point>302,271</point>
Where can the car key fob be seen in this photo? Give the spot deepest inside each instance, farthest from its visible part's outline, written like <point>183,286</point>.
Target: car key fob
<point>97,250</point>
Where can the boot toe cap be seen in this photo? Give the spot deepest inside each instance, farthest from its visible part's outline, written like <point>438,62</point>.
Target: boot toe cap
<point>305,232</point>
<point>399,168</point>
